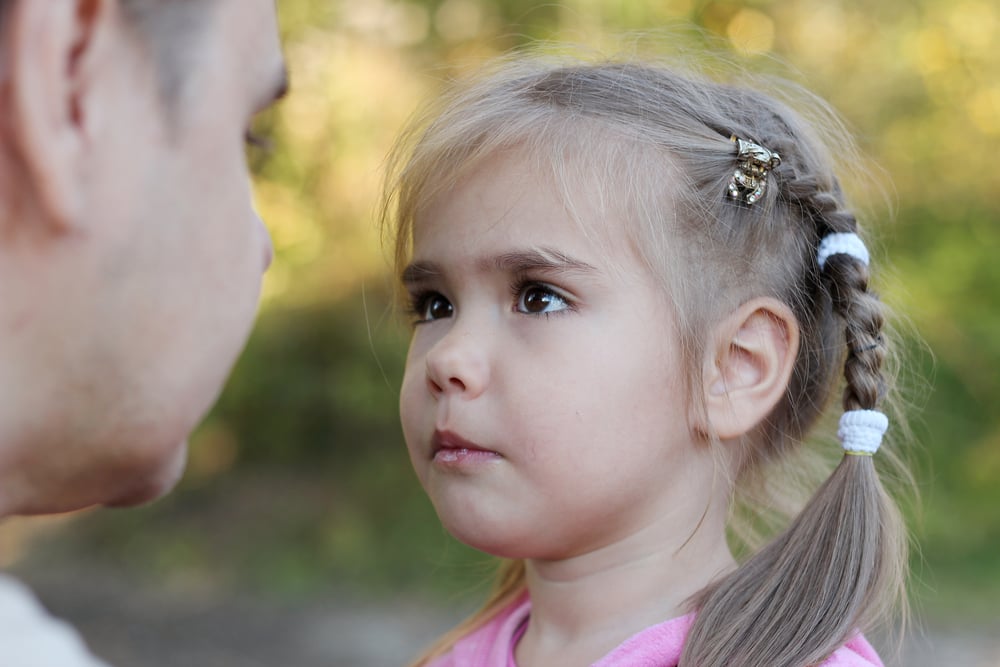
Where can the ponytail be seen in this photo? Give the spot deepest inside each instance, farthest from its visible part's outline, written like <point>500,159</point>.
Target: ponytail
<point>840,566</point>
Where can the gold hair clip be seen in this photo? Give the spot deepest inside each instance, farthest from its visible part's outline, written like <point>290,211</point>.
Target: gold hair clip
<point>750,178</point>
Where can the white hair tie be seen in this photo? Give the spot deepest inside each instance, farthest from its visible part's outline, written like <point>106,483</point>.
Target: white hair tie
<point>842,243</point>
<point>861,431</point>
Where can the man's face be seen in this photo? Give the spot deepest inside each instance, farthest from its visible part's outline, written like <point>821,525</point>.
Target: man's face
<point>162,280</point>
<point>199,249</point>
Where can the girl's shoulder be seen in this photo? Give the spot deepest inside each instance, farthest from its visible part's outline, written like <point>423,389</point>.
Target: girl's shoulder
<point>855,653</point>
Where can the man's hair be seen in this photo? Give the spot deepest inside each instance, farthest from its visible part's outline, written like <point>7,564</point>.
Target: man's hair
<point>167,28</point>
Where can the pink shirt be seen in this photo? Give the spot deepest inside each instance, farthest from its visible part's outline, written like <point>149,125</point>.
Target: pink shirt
<point>492,645</point>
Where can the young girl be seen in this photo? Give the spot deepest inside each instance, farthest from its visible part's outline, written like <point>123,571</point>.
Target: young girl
<point>634,292</point>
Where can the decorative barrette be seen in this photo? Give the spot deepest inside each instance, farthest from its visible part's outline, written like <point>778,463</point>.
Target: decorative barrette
<point>750,178</point>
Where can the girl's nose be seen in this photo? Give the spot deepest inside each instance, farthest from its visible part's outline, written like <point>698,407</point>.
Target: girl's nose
<point>458,365</point>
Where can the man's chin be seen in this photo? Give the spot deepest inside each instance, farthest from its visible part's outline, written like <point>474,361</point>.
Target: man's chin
<point>154,485</point>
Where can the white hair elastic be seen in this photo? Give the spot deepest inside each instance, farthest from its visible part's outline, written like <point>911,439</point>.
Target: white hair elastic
<point>842,243</point>
<point>861,431</point>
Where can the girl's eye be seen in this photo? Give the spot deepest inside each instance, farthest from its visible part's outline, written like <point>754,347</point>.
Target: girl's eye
<point>432,306</point>
<point>538,299</point>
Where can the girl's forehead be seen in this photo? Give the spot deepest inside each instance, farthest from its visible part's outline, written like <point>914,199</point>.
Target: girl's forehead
<point>507,218</point>
<point>510,197</point>
<point>512,185</point>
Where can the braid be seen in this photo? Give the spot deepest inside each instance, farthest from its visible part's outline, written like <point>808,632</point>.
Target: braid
<point>846,280</point>
<point>861,311</point>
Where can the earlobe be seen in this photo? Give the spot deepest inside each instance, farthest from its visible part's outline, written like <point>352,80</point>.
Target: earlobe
<point>51,51</point>
<point>748,366</point>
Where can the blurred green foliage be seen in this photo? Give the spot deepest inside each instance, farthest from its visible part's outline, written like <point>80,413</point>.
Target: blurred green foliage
<point>299,478</point>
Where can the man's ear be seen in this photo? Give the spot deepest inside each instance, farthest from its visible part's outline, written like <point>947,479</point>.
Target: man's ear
<point>56,54</point>
<point>747,366</point>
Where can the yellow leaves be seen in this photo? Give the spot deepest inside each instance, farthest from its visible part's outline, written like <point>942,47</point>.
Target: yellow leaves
<point>974,25</point>
<point>751,32</point>
<point>461,20</point>
<point>311,63</point>
<point>932,50</point>
<point>955,54</point>
<point>394,23</point>
<point>820,34</point>
<point>983,108</point>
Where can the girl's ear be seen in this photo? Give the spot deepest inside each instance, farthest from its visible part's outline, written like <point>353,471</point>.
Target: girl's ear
<point>55,55</point>
<point>747,366</point>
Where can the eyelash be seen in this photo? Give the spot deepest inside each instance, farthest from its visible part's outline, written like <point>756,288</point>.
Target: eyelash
<point>522,285</point>
<point>417,306</point>
<point>419,301</point>
<point>258,141</point>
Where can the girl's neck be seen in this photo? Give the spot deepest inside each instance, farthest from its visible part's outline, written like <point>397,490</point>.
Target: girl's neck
<point>585,606</point>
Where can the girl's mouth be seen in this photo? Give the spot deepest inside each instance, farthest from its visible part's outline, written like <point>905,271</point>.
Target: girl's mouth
<point>452,450</point>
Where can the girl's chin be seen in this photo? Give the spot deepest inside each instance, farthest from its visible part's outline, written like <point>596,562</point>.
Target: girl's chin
<point>482,539</point>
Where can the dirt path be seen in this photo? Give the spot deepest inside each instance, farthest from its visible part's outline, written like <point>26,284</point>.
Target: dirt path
<point>190,626</point>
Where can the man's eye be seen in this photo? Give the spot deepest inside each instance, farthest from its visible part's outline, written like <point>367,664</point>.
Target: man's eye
<point>259,141</point>
<point>432,307</point>
<point>538,299</point>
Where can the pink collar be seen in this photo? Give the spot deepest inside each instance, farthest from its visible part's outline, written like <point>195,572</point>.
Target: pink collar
<point>492,645</point>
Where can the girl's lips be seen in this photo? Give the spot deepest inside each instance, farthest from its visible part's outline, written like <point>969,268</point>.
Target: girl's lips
<point>453,450</point>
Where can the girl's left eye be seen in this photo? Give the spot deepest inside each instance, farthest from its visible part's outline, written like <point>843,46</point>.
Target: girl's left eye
<point>539,299</point>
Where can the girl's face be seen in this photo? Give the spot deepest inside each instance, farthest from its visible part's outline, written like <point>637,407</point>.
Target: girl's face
<point>543,403</point>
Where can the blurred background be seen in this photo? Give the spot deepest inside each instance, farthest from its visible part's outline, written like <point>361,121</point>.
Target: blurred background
<point>299,535</point>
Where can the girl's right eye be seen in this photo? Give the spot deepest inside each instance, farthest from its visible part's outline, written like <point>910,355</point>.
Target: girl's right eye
<point>431,306</point>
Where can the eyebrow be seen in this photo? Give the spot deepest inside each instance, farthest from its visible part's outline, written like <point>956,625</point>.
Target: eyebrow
<point>547,260</point>
<point>419,272</point>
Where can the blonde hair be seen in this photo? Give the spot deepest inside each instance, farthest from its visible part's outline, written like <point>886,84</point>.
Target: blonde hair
<point>656,144</point>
